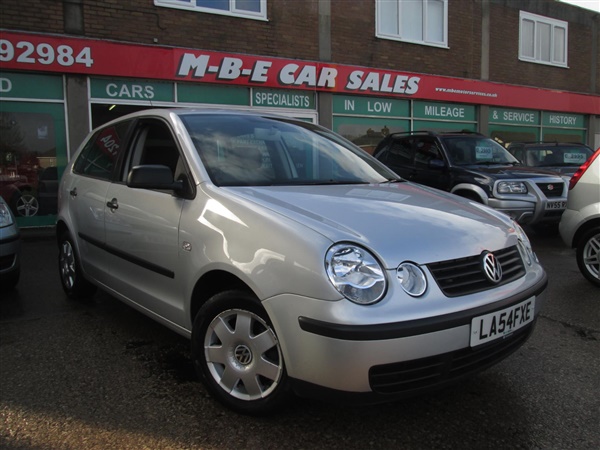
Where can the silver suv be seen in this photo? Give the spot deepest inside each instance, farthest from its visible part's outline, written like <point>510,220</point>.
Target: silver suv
<point>292,260</point>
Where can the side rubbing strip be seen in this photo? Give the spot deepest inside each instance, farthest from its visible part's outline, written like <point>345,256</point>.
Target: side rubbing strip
<point>127,257</point>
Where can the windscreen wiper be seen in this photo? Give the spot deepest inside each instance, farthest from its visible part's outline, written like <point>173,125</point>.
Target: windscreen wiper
<point>393,180</point>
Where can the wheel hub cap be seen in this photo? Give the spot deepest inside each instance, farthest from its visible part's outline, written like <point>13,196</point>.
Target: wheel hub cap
<point>243,355</point>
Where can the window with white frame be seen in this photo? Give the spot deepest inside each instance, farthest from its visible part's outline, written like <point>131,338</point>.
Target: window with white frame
<point>250,9</point>
<point>417,21</point>
<point>543,40</point>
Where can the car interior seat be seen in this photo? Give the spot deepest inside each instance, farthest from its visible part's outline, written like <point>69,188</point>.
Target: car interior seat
<point>532,159</point>
<point>553,159</point>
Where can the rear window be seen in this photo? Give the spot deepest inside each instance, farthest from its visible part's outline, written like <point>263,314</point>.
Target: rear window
<point>560,155</point>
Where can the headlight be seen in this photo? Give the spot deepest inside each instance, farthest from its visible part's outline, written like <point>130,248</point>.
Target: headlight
<point>5,216</point>
<point>525,244</point>
<point>412,279</point>
<point>511,187</point>
<point>355,273</point>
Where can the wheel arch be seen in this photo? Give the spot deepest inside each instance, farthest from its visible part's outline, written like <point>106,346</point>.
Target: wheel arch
<point>595,222</point>
<point>61,227</point>
<point>470,191</point>
<point>212,283</point>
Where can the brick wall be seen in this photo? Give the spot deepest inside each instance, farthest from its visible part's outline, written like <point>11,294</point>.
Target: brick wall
<point>506,67</point>
<point>354,41</point>
<point>292,29</point>
<point>33,15</point>
<point>292,32</point>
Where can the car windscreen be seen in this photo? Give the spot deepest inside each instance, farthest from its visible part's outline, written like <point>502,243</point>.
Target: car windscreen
<point>558,155</point>
<point>466,150</point>
<point>248,150</point>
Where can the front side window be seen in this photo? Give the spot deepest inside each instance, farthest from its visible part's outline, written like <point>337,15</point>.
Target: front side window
<point>250,9</point>
<point>417,21</point>
<point>99,156</point>
<point>543,40</point>
<point>464,151</point>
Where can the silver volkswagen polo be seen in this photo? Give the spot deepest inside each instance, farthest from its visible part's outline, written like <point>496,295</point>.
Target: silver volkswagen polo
<point>292,260</point>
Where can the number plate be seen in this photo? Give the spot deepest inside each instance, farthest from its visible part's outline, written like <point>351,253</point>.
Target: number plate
<point>556,205</point>
<point>501,323</point>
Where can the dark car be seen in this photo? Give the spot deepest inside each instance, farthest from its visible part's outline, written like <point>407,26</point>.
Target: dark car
<point>561,157</point>
<point>477,167</point>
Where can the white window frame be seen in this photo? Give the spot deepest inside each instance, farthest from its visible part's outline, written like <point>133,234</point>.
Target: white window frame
<point>190,5</point>
<point>538,21</point>
<point>380,10</point>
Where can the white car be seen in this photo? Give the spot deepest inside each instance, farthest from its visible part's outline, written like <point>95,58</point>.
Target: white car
<point>580,223</point>
<point>292,259</point>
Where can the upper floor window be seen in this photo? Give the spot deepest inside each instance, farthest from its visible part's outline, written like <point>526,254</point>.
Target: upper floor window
<point>250,9</point>
<point>418,21</point>
<point>543,40</point>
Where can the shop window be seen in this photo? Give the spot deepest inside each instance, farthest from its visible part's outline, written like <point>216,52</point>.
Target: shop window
<point>508,136</point>
<point>366,132</point>
<point>249,9</point>
<point>543,40</point>
<point>28,172</point>
<point>418,21</point>
<point>565,136</point>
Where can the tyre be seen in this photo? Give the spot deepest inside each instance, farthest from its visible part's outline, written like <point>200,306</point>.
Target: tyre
<point>71,276</point>
<point>237,354</point>
<point>588,255</point>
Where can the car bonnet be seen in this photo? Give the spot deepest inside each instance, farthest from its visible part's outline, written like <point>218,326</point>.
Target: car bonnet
<point>399,222</point>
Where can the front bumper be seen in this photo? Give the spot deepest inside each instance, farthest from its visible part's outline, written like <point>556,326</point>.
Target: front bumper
<point>535,207</point>
<point>528,212</point>
<point>10,252</point>
<point>377,361</point>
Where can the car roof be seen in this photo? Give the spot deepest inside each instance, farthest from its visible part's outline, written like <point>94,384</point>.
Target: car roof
<point>464,133</point>
<point>167,113</point>
<point>536,144</point>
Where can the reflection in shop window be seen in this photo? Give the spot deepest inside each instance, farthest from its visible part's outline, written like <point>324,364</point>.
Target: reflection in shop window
<point>28,173</point>
<point>368,133</point>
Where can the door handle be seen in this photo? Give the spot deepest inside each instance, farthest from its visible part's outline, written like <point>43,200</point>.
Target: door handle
<point>113,204</point>
<point>73,192</point>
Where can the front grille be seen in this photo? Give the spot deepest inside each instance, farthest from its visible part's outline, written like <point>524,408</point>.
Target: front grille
<point>464,276</point>
<point>551,189</point>
<point>403,377</point>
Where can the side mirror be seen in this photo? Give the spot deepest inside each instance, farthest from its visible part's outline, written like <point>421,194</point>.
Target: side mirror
<point>437,164</point>
<point>153,177</point>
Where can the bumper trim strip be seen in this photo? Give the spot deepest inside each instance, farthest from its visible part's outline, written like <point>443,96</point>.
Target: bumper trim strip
<point>417,327</point>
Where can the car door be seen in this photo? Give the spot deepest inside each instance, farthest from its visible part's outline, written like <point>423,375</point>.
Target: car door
<point>399,156</point>
<point>142,227</point>
<point>430,168</point>
<point>85,191</point>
